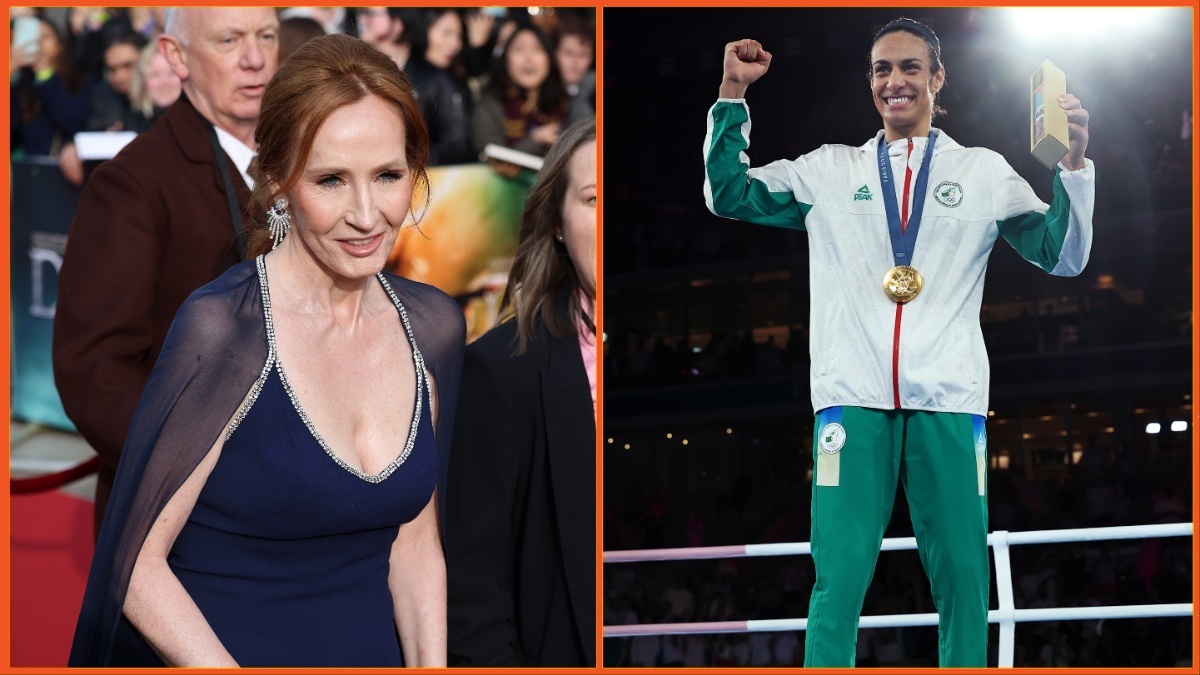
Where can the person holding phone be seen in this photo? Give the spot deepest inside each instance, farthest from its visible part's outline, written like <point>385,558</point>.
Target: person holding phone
<point>25,34</point>
<point>50,99</point>
<point>482,35</point>
<point>899,369</point>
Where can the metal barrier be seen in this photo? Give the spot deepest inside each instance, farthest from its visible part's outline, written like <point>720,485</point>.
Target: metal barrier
<point>1000,541</point>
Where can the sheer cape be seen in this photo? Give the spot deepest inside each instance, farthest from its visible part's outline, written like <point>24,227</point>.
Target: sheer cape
<point>214,352</point>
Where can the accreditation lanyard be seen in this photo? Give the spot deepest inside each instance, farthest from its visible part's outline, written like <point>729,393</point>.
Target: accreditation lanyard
<point>904,240</point>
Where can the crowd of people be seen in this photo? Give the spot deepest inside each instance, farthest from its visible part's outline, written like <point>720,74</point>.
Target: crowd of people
<point>95,72</point>
<point>486,76</point>
<point>767,502</point>
<point>505,78</point>
<point>636,359</point>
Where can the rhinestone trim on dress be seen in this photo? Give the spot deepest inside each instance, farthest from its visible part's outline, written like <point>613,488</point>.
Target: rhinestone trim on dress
<point>418,363</point>
<point>258,384</point>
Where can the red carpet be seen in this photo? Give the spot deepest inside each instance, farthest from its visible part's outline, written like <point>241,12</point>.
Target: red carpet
<point>51,552</point>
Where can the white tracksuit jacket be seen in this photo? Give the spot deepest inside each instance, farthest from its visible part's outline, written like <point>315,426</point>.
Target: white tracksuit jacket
<point>865,349</point>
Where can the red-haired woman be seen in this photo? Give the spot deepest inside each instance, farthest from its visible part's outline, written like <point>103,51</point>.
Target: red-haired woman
<point>276,500</point>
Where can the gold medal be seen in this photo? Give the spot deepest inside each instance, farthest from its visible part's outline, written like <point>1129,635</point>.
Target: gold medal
<point>902,284</point>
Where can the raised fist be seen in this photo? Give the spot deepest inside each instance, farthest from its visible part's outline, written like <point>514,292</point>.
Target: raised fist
<point>745,62</point>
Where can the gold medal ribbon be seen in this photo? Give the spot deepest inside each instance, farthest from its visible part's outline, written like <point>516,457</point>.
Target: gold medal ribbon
<point>902,282</point>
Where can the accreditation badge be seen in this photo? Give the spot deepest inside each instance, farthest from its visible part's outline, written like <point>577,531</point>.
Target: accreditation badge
<point>829,465</point>
<point>981,458</point>
<point>833,437</point>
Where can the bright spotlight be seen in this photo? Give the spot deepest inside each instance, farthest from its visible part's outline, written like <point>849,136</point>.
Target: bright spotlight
<point>1052,22</point>
<point>1178,425</point>
<point>1153,428</point>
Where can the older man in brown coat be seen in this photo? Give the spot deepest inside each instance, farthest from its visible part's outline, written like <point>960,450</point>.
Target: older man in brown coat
<point>159,221</point>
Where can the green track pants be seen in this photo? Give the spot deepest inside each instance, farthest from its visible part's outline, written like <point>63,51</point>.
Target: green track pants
<point>941,459</point>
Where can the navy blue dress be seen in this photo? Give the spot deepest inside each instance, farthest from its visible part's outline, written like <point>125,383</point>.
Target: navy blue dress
<point>286,552</point>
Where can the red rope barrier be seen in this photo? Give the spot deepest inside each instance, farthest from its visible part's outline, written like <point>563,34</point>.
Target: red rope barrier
<point>53,480</point>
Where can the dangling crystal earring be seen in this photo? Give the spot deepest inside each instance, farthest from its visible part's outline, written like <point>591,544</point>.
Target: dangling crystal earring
<point>279,221</point>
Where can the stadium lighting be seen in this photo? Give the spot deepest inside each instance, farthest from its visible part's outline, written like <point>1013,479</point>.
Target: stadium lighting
<point>1085,22</point>
<point>1153,428</point>
<point>1178,425</point>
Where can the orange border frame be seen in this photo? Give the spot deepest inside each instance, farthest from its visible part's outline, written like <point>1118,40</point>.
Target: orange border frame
<point>600,334</point>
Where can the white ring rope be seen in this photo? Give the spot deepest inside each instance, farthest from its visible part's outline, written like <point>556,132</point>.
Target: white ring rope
<point>900,620</point>
<point>999,541</point>
<point>902,543</point>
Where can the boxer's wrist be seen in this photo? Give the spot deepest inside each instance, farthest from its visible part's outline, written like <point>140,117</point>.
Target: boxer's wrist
<point>733,89</point>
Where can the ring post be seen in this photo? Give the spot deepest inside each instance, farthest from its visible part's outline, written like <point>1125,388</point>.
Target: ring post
<point>1004,593</point>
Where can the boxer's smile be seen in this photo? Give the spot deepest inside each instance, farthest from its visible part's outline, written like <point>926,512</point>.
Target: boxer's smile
<point>903,85</point>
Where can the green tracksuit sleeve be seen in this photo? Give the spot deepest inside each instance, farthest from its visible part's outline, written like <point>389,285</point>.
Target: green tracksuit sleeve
<point>777,194</point>
<point>1058,237</point>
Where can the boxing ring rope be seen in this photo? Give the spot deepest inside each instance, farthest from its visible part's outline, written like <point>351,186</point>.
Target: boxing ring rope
<point>1000,541</point>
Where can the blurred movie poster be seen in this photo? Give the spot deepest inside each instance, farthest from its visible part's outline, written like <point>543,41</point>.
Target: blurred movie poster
<point>465,239</point>
<point>43,203</point>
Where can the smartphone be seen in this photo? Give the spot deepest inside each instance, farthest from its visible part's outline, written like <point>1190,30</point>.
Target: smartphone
<point>496,12</point>
<point>26,32</point>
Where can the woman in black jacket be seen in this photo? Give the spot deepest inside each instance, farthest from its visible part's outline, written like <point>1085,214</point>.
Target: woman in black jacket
<point>520,525</point>
<point>435,69</point>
